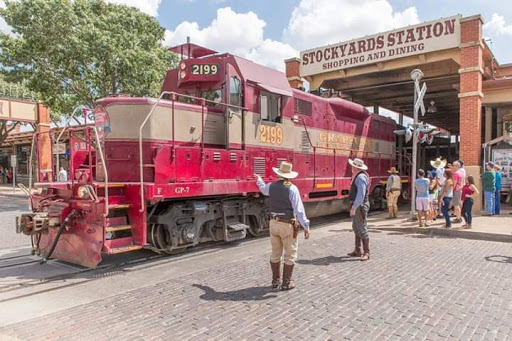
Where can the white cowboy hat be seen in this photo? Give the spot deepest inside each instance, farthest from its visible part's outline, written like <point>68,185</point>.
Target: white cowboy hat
<point>358,163</point>
<point>438,163</point>
<point>285,170</point>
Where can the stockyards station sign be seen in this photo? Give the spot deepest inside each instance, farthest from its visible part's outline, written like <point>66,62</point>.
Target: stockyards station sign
<point>431,36</point>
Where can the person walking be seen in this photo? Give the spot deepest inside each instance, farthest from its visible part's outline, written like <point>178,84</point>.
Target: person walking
<point>439,165</point>
<point>358,196</point>
<point>432,196</point>
<point>422,186</point>
<point>447,196</point>
<point>489,186</point>
<point>286,208</point>
<point>393,188</point>
<point>63,175</point>
<point>497,195</point>
<point>459,179</point>
<point>469,192</point>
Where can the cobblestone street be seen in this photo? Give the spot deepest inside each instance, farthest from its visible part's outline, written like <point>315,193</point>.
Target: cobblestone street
<point>414,287</point>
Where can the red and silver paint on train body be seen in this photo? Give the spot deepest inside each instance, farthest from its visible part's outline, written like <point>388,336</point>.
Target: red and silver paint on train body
<point>170,173</point>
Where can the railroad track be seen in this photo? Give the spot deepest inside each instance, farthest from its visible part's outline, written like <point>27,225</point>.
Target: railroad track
<point>111,266</point>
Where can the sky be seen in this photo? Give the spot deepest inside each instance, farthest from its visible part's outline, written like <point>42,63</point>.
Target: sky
<point>269,31</point>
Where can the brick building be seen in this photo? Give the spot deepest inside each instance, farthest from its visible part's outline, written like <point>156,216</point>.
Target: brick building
<point>470,90</point>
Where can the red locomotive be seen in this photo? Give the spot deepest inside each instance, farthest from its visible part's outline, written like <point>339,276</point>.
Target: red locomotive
<point>169,173</point>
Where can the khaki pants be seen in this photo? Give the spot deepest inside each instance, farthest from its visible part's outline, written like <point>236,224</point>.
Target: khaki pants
<point>393,201</point>
<point>281,239</point>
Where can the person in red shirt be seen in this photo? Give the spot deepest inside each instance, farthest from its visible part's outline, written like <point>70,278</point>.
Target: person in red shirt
<point>469,192</point>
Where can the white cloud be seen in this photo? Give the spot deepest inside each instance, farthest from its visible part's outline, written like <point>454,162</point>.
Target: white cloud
<point>146,6</point>
<point>3,25</point>
<point>320,22</point>
<point>497,26</point>
<point>237,33</point>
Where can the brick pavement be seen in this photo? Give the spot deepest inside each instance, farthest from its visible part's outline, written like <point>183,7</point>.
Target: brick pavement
<point>414,288</point>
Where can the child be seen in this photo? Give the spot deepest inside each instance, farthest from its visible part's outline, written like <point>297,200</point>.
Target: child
<point>469,191</point>
<point>422,204</point>
<point>432,196</point>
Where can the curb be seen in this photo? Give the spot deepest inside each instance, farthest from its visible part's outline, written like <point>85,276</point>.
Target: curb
<point>491,237</point>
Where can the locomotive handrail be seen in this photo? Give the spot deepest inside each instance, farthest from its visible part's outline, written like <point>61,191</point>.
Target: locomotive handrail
<point>173,95</point>
<point>105,172</point>
<point>64,129</point>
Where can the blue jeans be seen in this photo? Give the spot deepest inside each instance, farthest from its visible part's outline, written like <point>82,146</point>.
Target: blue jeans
<point>446,210</point>
<point>497,202</point>
<point>489,202</point>
<point>467,208</point>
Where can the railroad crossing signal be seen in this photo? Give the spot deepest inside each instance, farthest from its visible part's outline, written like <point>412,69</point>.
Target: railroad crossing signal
<point>419,100</point>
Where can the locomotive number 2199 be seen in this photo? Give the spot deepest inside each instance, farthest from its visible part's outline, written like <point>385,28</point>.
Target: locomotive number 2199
<point>271,134</point>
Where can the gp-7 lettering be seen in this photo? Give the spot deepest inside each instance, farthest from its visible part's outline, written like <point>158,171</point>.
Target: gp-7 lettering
<point>181,190</point>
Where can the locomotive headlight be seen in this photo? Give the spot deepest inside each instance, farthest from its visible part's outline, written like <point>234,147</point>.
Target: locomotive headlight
<point>183,74</point>
<point>183,66</point>
<point>82,192</point>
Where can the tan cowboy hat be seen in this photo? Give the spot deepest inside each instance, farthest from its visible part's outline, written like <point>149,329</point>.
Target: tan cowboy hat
<point>393,170</point>
<point>438,163</point>
<point>285,170</point>
<point>358,163</point>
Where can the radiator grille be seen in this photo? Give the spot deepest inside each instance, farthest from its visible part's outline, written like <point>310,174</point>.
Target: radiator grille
<point>304,142</point>
<point>258,165</point>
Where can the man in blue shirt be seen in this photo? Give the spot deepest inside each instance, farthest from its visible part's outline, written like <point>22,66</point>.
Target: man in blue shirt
<point>360,202</point>
<point>497,198</point>
<point>422,186</point>
<point>286,208</point>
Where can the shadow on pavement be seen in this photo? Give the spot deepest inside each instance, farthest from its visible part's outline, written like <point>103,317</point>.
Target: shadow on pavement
<point>246,294</point>
<point>327,260</point>
<point>499,259</point>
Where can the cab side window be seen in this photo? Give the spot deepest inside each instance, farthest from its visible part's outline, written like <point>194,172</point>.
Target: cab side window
<point>270,107</point>
<point>235,93</point>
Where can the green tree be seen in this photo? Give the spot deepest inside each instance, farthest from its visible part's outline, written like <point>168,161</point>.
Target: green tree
<point>74,52</point>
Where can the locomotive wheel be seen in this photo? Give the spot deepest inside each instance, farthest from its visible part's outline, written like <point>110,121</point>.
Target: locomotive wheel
<point>158,236</point>
<point>253,222</point>
<point>377,199</point>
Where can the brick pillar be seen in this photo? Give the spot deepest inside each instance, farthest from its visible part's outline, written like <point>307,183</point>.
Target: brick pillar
<point>471,89</point>
<point>470,96</point>
<point>44,145</point>
<point>293,72</point>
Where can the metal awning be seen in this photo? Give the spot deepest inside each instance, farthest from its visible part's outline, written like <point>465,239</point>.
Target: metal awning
<point>274,90</point>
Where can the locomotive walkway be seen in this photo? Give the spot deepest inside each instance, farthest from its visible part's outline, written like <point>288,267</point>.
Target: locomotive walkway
<point>416,287</point>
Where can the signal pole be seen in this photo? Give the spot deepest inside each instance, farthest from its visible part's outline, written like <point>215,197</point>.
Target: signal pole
<point>419,93</point>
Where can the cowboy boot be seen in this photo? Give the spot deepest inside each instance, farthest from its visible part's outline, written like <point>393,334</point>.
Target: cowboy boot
<point>357,250</point>
<point>288,282</point>
<point>391,213</point>
<point>366,250</point>
<point>276,274</point>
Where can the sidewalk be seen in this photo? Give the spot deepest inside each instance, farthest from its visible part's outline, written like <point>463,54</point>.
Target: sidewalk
<point>496,228</point>
<point>7,190</point>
